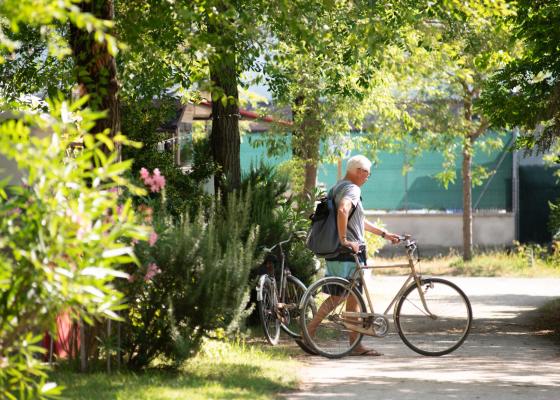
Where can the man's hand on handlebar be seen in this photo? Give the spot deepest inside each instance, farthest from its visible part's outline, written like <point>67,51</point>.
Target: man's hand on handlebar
<point>355,246</point>
<point>393,238</point>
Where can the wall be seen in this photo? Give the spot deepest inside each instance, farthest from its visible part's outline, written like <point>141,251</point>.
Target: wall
<point>9,167</point>
<point>438,232</point>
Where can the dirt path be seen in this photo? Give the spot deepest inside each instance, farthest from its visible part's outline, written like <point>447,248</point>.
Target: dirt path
<point>503,358</point>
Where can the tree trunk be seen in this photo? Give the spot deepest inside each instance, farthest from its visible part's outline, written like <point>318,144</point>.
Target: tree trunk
<point>468,149</point>
<point>96,69</point>
<point>310,177</point>
<point>467,199</point>
<point>306,142</point>
<point>224,138</point>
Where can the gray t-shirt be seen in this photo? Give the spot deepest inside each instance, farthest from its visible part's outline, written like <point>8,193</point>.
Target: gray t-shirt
<point>356,228</point>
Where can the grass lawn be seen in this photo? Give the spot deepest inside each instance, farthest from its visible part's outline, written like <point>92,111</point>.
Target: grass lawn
<point>484,264</point>
<point>220,371</point>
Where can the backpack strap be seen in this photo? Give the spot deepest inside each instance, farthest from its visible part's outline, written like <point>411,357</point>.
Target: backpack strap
<point>335,207</point>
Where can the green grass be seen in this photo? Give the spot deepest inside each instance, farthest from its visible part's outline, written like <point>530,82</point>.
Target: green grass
<point>220,371</point>
<point>496,263</point>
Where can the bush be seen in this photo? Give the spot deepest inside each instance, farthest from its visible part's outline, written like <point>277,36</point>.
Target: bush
<point>61,238</point>
<point>278,216</point>
<point>193,283</point>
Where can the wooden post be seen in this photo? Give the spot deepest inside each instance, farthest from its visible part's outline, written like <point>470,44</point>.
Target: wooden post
<point>109,347</point>
<point>83,353</point>
<point>119,353</point>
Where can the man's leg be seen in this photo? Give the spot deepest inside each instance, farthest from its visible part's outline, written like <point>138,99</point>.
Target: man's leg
<point>328,305</point>
<point>353,306</point>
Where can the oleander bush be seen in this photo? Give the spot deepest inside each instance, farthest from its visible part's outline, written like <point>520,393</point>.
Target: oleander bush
<point>63,236</point>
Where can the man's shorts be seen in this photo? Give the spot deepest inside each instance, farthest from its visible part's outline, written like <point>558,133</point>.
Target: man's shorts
<point>337,290</point>
<point>343,266</point>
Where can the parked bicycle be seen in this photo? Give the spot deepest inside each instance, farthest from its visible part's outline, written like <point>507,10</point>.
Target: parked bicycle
<point>432,315</point>
<point>278,300</point>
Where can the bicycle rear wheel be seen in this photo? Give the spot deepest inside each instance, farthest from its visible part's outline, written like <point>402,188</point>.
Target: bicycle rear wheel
<point>440,327</point>
<point>290,312</point>
<point>332,297</point>
<point>267,312</point>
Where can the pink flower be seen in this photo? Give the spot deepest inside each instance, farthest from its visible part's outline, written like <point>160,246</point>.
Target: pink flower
<point>152,239</point>
<point>155,182</point>
<point>144,173</point>
<point>152,271</point>
<point>158,183</point>
<point>131,278</point>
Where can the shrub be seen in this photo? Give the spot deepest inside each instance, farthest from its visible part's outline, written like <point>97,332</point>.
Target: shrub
<point>193,283</point>
<point>60,238</point>
<point>278,216</point>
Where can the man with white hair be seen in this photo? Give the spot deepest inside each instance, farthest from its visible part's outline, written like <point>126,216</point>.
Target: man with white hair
<point>351,224</point>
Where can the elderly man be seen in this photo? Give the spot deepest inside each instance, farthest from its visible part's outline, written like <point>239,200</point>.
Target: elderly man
<point>351,224</point>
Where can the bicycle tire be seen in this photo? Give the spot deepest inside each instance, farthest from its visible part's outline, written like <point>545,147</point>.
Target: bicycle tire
<point>427,335</point>
<point>269,321</point>
<point>331,339</point>
<point>305,347</point>
<point>292,297</point>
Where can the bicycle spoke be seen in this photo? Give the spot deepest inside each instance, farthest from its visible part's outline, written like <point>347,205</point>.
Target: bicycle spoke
<point>326,332</point>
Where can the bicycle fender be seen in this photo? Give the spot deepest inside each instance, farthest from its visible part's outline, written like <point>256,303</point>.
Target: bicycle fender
<point>260,286</point>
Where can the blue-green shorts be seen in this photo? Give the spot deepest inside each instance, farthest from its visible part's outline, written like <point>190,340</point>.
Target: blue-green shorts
<point>343,269</point>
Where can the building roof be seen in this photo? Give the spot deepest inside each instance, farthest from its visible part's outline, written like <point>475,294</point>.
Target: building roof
<point>203,112</point>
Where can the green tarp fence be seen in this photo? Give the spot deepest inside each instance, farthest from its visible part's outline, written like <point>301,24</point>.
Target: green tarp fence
<point>388,189</point>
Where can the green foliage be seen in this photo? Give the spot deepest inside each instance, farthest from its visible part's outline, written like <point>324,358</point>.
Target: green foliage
<point>184,189</point>
<point>293,169</point>
<point>192,283</point>
<point>25,72</point>
<point>61,236</point>
<point>48,14</point>
<point>554,218</point>
<point>525,92</point>
<point>374,243</point>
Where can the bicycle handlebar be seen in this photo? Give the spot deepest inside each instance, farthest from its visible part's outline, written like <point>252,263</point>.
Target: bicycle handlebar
<point>406,238</point>
<point>296,233</point>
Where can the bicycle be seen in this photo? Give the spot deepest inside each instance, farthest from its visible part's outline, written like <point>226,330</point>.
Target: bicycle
<point>432,316</point>
<point>278,303</point>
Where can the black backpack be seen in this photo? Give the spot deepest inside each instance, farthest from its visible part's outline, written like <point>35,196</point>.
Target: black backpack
<point>322,238</point>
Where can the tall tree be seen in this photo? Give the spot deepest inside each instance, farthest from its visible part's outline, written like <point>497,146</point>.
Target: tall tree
<point>325,71</point>
<point>95,66</point>
<point>441,70</point>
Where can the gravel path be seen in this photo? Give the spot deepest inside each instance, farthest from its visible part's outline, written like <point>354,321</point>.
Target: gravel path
<point>503,358</point>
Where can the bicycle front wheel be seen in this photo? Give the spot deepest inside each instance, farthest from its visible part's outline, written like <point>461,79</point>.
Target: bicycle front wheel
<point>290,312</point>
<point>327,332</point>
<point>267,312</point>
<point>440,324</point>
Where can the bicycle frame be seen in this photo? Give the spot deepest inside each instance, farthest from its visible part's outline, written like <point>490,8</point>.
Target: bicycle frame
<point>413,276</point>
<point>284,272</point>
